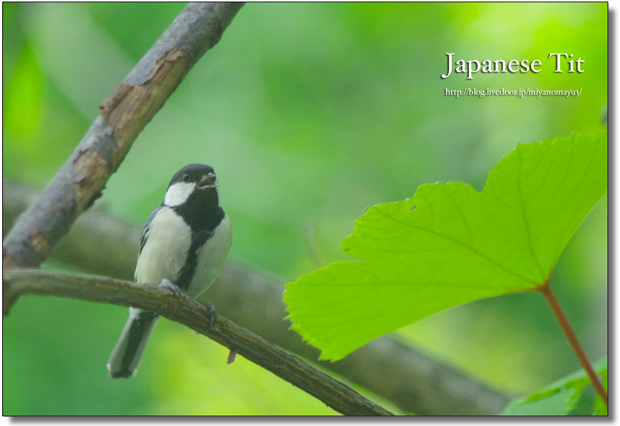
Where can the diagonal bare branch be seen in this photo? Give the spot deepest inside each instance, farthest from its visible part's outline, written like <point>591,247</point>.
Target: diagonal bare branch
<point>121,118</point>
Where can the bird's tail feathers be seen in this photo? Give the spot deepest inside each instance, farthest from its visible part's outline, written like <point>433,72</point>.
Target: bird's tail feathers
<point>125,358</point>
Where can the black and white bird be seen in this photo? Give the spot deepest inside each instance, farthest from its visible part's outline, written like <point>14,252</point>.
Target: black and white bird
<point>183,244</point>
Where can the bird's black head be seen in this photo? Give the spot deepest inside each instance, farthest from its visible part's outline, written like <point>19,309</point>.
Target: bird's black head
<point>194,180</point>
<point>192,193</point>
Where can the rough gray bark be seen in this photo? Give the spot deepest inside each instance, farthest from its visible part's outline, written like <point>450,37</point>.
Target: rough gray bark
<point>121,118</point>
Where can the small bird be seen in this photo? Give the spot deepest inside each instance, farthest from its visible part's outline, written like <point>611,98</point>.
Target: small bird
<point>183,247</point>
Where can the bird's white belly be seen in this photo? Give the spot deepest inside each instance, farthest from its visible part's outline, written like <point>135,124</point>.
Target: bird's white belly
<point>165,251</point>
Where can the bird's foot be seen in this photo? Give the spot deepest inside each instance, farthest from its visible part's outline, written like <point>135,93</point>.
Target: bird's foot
<point>167,284</point>
<point>212,313</point>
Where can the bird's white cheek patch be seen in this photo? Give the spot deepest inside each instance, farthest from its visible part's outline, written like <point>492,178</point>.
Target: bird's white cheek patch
<point>178,193</point>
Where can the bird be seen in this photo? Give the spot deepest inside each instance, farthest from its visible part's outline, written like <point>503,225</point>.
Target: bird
<point>183,247</point>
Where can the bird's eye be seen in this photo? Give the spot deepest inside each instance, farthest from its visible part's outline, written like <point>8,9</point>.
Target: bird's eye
<point>185,177</point>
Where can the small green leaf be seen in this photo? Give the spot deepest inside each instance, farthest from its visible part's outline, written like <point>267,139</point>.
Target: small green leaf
<point>600,408</point>
<point>450,244</point>
<point>560,397</point>
<point>553,405</point>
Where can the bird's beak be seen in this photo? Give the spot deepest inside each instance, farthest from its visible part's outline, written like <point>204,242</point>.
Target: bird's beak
<point>207,181</point>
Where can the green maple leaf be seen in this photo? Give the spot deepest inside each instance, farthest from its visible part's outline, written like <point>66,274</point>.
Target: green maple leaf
<point>450,244</point>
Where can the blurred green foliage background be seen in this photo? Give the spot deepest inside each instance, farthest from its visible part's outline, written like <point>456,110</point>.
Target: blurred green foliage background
<point>309,113</point>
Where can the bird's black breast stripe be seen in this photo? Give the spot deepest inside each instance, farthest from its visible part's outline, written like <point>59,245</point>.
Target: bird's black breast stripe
<point>187,273</point>
<point>203,213</point>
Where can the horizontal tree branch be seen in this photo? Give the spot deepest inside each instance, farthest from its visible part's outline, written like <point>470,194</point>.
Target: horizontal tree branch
<point>121,118</point>
<point>187,311</point>
<point>106,245</point>
<point>103,244</point>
